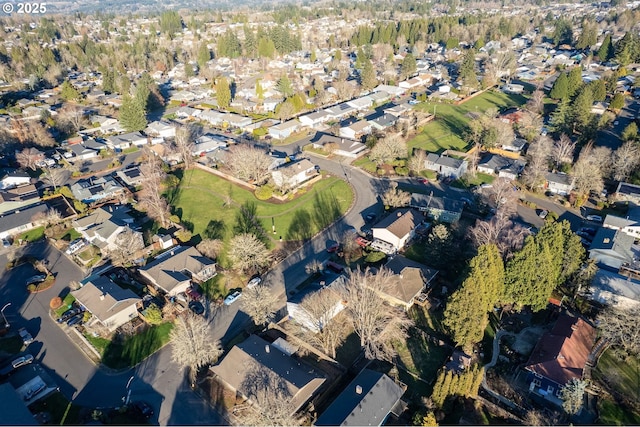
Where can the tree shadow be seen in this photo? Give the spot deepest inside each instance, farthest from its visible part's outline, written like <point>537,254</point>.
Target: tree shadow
<point>123,352</point>
<point>326,209</point>
<point>300,226</point>
<point>216,229</point>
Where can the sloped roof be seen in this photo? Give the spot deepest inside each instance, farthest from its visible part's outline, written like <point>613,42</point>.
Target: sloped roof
<point>562,353</point>
<point>166,270</point>
<point>378,395</point>
<point>410,277</point>
<point>613,241</point>
<point>104,299</point>
<point>400,222</point>
<point>297,379</point>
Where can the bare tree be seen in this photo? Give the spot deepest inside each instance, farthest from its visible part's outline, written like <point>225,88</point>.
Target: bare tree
<point>536,102</point>
<point>72,116</point>
<point>504,195</point>
<point>151,197</point>
<point>127,243</point>
<point>563,150</point>
<point>572,395</point>
<point>417,161</point>
<point>501,231</point>
<point>248,254</point>
<point>249,163</point>
<point>210,248</point>
<point>259,303</point>
<point>324,329</point>
<point>344,89</point>
<point>395,198</point>
<point>388,149</point>
<point>376,323</point>
<point>530,125</point>
<point>192,344</point>
<point>272,402</point>
<point>55,177</point>
<point>591,167</point>
<point>350,248</point>
<point>625,160</point>
<point>538,157</point>
<point>184,142</point>
<point>314,266</point>
<point>28,158</point>
<point>619,325</point>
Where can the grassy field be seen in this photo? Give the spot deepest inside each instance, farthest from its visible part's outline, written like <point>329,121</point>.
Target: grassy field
<point>200,198</point>
<point>66,304</point>
<point>446,131</point>
<point>32,235</point>
<point>56,404</point>
<point>136,348</point>
<point>624,377</point>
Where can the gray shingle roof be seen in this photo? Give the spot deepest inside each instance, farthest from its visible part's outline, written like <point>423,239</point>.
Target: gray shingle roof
<point>104,299</point>
<point>166,270</point>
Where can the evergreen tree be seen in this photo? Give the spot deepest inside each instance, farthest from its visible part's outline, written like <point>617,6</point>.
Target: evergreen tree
<point>617,102</point>
<point>313,57</point>
<point>588,36</point>
<point>284,86</point>
<point>259,90</point>
<point>574,81</point>
<point>266,48</point>
<point>170,23</point>
<point>337,56</point>
<point>132,114</point>
<point>368,78</point>
<point>598,90</point>
<point>223,92</point>
<point>563,32</point>
<point>359,59</point>
<point>560,88</point>
<point>250,43</point>
<point>606,51</point>
<point>204,55</point>
<point>409,66</point>
<point>467,73</point>
<point>630,132</point>
<point>581,110</point>
<point>626,49</point>
<point>68,92</point>
<point>561,118</point>
<point>108,80</point>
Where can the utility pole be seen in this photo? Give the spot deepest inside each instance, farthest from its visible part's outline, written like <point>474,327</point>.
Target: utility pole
<point>6,323</point>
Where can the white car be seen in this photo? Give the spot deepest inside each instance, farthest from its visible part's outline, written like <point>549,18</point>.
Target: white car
<point>232,298</point>
<point>254,282</point>
<point>21,361</point>
<point>594,218</point>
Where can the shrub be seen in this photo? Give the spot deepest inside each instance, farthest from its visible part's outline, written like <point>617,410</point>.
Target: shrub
<point>184,235</point>
<point>31,288</point>
<point>264,193</point>
<point>153,314</point>
<point>375,256</point>
<point>55,303</point>
<point>79,206</point>
<point>402,170</point>
<point>399,162</point>
<point>86,316</point>
<point>171,181</point>
<point>175,219</point>
<point>381,171</point>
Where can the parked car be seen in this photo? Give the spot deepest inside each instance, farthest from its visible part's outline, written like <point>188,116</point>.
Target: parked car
<point>5,243</point>
<point>196,307</point>
<point>25,335</point>
<point>333,248</point>
<point>543,213</point>
<point>75,319</point>
<point>21,361</point>
<point>34,280</point>
<point>594,218</point>
<point>68,314</point>
<point>193,293</point>
<point>588,230</point>
<point>254,282</point>
<point>143,408</point>
<point>336,268</point>
<point>232,298</point>
<point>75,246</point>
<point>584,235</point>
<point>34,391</point>
<point>370,217</point>
<point>423,181</point>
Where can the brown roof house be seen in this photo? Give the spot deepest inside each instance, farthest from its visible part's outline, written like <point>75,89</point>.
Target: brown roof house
<point>397,228</point>
<point>410,279</point>
<point>256,369</point>
<point>560,356</point>
<point>173,271</point>
<point>110,305</point>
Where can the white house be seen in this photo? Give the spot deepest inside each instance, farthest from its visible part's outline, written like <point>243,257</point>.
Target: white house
<point>355,130</point>
<point>208,143</point>
<point>284,129</point>
<point>360,104</point>
<point>512,88</point>
<point>343,146</point>
<point>292,174</point>
<point>124,141</point>
<point>14,179</point>
<point>398,227</point>
<point>111,305</point>
<point>446,166</point>
<point>298,313</point>
<point>314,119</point>
<point>103,226</point>
<point>559,183</point>
<point>213,117</point>
<point>161,129</point>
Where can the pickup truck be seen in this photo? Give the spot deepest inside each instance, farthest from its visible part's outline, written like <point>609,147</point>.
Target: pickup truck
<point>25,335</point>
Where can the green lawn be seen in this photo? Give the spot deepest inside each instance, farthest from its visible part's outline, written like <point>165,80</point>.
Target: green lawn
<point>98,343</point>
<point>200,198</point>
<point>366,164</point>
<point>32,235</point>
<point>446,131</point>
<point>624,377</point>
<point>69,235</point>
<point>136,348</point>
<point>56,404</point>
<point>421,357</point>
<point>66,304</point>
<point>611,414</point>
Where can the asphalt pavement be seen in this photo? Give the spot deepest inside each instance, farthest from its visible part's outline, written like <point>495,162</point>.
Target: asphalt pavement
<point>611,137</point>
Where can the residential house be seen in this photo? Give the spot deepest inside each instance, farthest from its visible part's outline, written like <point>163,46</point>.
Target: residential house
<point>628,193</point>
<point>103,226</point>
<point>611,248</point>
<point>190,113</point>
<point>236,120</point>
<point>442,209</point>
<point>560,356</point>
<point>124,141</point>
<point>173,271</point>
<point>256,357</point>
<point>314,119</point>
<point>458,362</point>
<point>504,167</point>
<point>96,189</point>
<point>390,90</point>
<point>397,110</point>
<point>381,121</point>
<point>615,289</point>
<point>105,124</point>
<point>298,313</point>
<point>630,224</point>
<point>367,401</point>
<point>161,129</point>
<point>512,88</point>
<point>111,305</point>
<point>599,107</point>
<point>18,197</point>
<point>559,183</point>
<point>360,104</point>
<point>284,129</point>
<point>515,146</point>
<point>292,174</point>
<point>14,179</point>
<point>379,97</point>
<point>207,143</point>
<point>340,111</point>
<point>82,151</point>
<point>356,130</point>
<point>446,166</point>
<point>342,146</point>
<point>22,220</point>
<point>131,176</point>
<point>398,227</point>
<point>409,280</point>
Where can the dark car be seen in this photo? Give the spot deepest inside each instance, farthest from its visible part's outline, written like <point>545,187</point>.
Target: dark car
<point>370,217</point>
<point>38,278</point>
<point>196,307</point>
<point>75,320</point>
<point>68,315</point>
<point>143,408</point>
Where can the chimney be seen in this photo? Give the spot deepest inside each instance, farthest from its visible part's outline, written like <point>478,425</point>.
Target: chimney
<point>606,240</point>
<point>358,389</point>
<point>266,348</point>
<point>102,297</point>
<point>399,214</point>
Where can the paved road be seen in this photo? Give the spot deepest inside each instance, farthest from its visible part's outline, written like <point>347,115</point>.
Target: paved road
<point>157,380</point>
<point>611,137</point>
